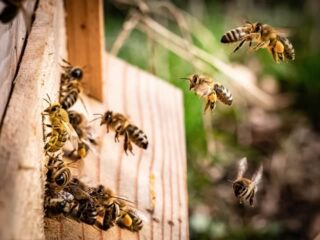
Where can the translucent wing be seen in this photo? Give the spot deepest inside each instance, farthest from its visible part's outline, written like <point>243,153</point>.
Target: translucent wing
<point>73,136</point>
<point>257,177</point>
<point>242,167</point>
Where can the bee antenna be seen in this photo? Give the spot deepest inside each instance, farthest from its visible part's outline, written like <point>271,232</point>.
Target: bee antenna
<point>98,114</point>
<point>95,119</point>
<point>46,101</point>
<point>184,78</point>
<point>229,180</point>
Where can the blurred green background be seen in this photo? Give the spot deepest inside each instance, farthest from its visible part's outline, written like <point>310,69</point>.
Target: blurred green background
<point>284,137</point>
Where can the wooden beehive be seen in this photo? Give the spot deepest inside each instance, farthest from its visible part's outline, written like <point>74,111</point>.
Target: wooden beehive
<point>151,104</point>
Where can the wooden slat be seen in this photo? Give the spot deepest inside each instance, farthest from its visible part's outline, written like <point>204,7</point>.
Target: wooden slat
<point>21,139</point>
<point>85,41</point>
<point>12,39</point>
<point>157,108</point>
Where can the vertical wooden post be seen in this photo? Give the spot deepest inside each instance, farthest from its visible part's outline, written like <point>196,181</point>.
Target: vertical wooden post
<point>85,42</point>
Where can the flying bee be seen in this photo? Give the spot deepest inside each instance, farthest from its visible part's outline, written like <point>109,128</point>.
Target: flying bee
<point>244,188</point>
<point>206,88</point>
<point>62,130</point>
<point>71,85</point>
<point>122,127</point>
<point>86,139</point>
<point>264,36</point>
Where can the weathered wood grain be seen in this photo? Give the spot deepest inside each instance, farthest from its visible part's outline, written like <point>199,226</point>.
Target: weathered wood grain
<point>12,39</point>
<point>86,41</point>
<point>21,144</point>
<point>157,108</point>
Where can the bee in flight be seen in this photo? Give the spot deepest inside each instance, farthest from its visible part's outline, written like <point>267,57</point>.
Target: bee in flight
<point>264,36</point>
<point>71,85</point>
<point>61,131</point>
<point>244,188</point>
<point>122,127</point>
<point>206,88</point>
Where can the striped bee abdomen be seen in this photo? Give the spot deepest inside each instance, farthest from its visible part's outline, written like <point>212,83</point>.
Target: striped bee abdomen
<point>69,98</point>
<point>233,35</point>
<point>223,94</point>
<point>137,136</point>
<point>288,48</point>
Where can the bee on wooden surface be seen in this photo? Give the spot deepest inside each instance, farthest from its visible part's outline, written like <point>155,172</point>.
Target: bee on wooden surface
<point>70,86</point>
<point>207,89</point>
<point>264,36</point>
<point>122,127</point>
<point>58,174</point>
<point>86,139</point>
<point>117,210</point>
<point>58,202</point>
<point>61,131</point>
<point>244,188</point>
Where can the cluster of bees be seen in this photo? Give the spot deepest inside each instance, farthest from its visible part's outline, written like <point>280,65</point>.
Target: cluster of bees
<point>258,35</point>
<point>66,195</point>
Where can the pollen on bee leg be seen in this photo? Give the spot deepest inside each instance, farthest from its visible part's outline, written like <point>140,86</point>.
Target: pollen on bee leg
<point>127,220</point>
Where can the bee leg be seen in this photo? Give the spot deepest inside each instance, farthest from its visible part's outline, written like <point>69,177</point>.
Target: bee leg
<point>48,125</point>
<point>127,144</point>
<point>207,105</point>
<point>116,137</point>
<point>239,46</point>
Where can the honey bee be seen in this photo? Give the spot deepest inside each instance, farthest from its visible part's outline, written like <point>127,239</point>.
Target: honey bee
<point>56,203</point>
<point>62,130</point>
<point>206,88</point>
<point>264,36</point>
<point>244,188</point>
<point>117,211</point>
<point>58,174</point>
<point>70,87</point>
<point>86,140</point>
<point>122,127</point>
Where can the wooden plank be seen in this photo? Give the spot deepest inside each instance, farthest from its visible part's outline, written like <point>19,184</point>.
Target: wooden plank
<point>86,41</point>
<point>21,144</point>
<point>12,39</point>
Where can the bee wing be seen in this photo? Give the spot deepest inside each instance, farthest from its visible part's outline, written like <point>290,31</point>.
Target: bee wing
<point>73,136</point>
<point>285,32</point>
<point>242,167</point>
<point>257,177</point>
<point>142,215</point>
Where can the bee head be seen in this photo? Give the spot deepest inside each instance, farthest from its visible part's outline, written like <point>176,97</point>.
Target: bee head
<point>194,81</point>
<point>258,27</point>
<point>53,108</point>
<point>107,118</point>
<point>238,188</point>
<point>76,73</point>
